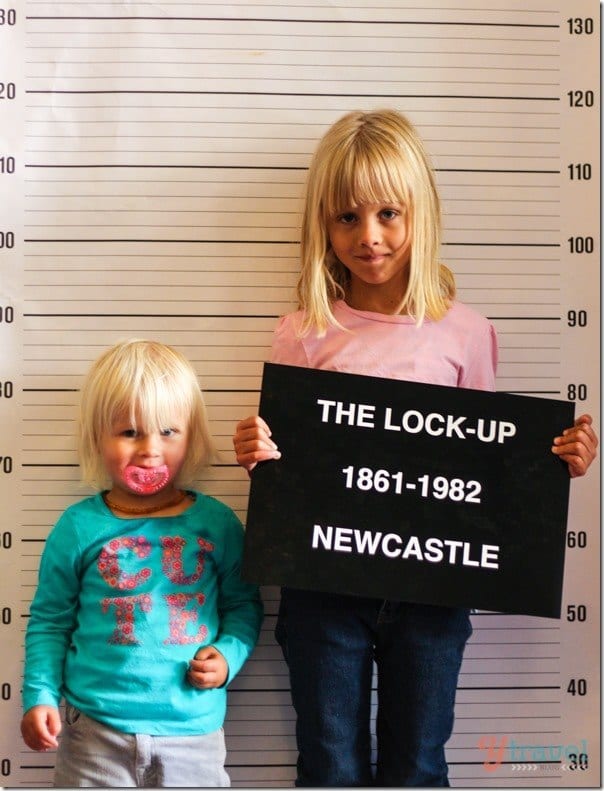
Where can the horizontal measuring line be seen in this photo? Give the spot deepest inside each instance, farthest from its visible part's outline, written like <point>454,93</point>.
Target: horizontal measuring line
<point>498,244</point>
<point>267,765</point>
<point>49,465</point>
<point>225,466</point>
<point>33,540</point>
<point>33,766</point>
<point>188,167</point>
<point>235,692</point>
<point>508,688</point>
<point>524,318</point>
<point>499,614</point>
<point>292,21</point>
<point>154,315</point>
<point>75,390</point>
<point>162,241</point>
<point>284,167</point>
<point>339,95</point>
<point>493,170</point>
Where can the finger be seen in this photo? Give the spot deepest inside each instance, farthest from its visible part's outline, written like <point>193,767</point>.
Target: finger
<point>203,665</point>
<point>203,680</point>
<point>253,422</point>
<point>255,444</point>
<point>253,453</point>
<point>589,432</point>
<point>584,419</point>
<point>583,423</point>
<point>577,466</point>
<point>253,430</point>
<point>203,653</point>
<point>578,457</point>
<point>248,456</point>
<point>251,437</point>
<point>576,442</point>
<point>581,433</point>
<point>48,742</point>
<point>248,434</point>
<point>54,725</point>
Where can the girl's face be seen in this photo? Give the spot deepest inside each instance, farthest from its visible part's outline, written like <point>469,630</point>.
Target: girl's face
<point>144,463</point>
<point>372,242</point>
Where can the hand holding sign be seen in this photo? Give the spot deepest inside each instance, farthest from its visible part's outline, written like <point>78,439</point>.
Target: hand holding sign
<point>577,446</point>
<point>253,443</point>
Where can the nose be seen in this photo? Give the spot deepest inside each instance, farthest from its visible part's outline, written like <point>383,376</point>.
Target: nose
<point>149,445</point>
<point>369,232</point>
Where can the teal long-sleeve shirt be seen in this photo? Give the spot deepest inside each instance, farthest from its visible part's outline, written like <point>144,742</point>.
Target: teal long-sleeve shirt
<point>122,605</point>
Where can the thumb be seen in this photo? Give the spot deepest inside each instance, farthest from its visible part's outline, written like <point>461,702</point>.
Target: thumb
<point>205,653</point>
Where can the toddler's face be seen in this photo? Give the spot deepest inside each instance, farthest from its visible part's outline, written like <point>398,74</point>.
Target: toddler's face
<point>143,462</point>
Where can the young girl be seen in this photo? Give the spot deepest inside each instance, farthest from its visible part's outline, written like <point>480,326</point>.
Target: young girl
<point>374,300</point>
<point>140,620</point>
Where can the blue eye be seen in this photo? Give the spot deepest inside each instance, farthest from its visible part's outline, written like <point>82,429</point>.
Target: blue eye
<point>347,218</point>
<point>168,432</point>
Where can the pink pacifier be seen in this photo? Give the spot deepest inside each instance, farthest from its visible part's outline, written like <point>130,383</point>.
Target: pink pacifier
<point>146,480</point>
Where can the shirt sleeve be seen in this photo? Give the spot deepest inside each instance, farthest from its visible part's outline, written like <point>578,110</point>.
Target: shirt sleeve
<point>287,348</point>
<point>240,608</point>
<point>52,618</point>
<point>481,370</point>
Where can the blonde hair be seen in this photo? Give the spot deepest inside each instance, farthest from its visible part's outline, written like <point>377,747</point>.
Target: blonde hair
<point>374,157</point>
<point>149,380</point>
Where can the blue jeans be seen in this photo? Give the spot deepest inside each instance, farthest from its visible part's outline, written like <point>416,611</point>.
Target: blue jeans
<point>329,643</point>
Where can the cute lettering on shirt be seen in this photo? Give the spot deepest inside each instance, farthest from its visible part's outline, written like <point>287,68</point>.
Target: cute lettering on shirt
<point>183,608</point>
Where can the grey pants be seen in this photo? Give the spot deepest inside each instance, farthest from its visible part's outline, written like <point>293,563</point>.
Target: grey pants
<point>94,755</point>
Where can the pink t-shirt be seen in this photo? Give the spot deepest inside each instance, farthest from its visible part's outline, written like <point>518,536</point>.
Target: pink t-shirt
<point>460,350</point>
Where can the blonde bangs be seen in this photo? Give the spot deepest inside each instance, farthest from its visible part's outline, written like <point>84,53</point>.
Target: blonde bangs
<point>157,401</point>
<point>136,384</point>
<point>361,175</point>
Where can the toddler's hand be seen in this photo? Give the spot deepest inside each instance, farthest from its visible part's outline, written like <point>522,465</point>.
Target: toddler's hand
<point>208,669</point>
<point>252,442</point>
<point>40,727</point>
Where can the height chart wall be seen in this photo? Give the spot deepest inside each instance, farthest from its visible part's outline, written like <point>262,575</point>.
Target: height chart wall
<point>152,157</point>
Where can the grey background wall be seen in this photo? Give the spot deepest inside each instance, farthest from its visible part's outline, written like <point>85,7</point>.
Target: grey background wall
<point>152,157</point>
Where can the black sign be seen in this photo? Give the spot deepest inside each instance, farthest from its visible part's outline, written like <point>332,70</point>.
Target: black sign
<point>410,492</point>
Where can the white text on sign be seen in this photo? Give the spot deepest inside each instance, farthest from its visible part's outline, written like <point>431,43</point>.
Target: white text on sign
<point>412,421</point>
